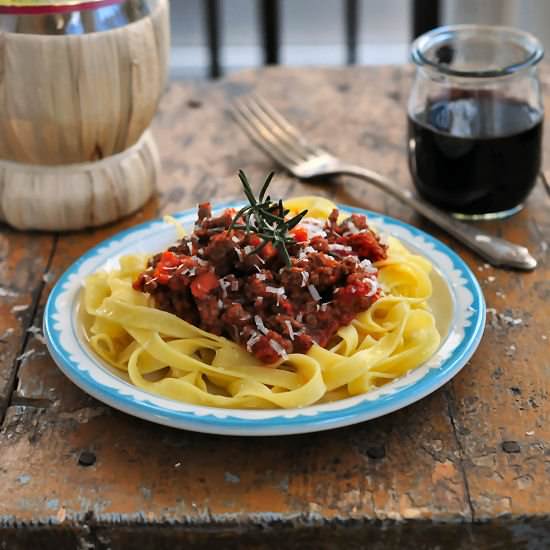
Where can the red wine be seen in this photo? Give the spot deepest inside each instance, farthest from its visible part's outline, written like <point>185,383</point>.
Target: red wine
<point>475,154</point>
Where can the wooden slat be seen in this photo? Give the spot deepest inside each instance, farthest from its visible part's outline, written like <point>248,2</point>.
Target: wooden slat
<point>426,15</point>
<point>352,15</point>
<point>270,25</point>
<point>213,30</point>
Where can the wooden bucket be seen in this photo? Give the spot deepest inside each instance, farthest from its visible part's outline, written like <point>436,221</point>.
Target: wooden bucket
<point>75,150</point>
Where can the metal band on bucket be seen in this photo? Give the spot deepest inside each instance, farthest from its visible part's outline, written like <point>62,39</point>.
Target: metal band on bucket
<point>23,7</point>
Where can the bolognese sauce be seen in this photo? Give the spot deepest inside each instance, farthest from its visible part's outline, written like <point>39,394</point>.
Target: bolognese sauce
<point>230,282</point>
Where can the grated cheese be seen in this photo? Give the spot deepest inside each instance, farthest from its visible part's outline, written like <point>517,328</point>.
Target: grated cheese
<point>275,290</point>
<point>352,228</point>
<point>290,329</point>
<point>224,284</point>
<point>339,247</point>
<point>278,349</point>
<point>314,227</point>
<point>373,288</point>
<point>366,265</point>
<point>314,293</point>
<point>260,324</point>
<point>252,340</point>
<point>279,292</point>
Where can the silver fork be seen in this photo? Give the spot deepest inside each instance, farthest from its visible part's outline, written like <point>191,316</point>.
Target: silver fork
<point>285,145</point>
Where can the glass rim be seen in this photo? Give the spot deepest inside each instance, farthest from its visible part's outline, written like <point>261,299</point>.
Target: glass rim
<point>531,44</point>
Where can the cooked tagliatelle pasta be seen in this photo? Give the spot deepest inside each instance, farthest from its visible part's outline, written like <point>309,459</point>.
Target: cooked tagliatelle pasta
<point>166,355</point>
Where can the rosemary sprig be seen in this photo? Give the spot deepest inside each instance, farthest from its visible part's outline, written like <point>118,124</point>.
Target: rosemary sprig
<point>266,218</point>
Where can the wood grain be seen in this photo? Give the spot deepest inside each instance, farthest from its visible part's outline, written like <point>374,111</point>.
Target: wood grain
<point>446,470</point>
<point>24,260</point>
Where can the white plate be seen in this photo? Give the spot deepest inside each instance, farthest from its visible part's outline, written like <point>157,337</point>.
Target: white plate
<point>458,306</point>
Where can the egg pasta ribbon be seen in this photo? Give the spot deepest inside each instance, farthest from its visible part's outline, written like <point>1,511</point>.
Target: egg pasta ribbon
<point>165,355</point>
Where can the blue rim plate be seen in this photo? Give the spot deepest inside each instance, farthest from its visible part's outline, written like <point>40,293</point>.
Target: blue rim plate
<point>68,347</point>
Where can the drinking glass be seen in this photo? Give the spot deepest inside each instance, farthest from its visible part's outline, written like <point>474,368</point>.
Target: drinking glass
<point>475,117</point>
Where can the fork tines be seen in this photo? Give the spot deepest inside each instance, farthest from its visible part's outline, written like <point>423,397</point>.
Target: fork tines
<point>271,131</point>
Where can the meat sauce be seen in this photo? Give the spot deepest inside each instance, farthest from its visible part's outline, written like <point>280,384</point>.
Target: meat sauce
<point>217,280</point>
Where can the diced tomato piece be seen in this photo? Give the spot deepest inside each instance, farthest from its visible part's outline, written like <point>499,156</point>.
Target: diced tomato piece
<point>254,240</point>
<point>300,234</point>
<point>365,245</point>
<point>268,251</point>
<point>169,258</point>
<point>204,284</point>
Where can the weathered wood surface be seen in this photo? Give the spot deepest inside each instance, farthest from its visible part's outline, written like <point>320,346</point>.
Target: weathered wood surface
<point>466,467</point>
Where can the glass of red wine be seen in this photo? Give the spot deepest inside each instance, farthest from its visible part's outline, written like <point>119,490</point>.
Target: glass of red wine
<point>475,118</point>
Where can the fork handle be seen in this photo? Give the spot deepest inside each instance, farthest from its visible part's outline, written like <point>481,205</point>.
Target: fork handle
<point>496,251</point>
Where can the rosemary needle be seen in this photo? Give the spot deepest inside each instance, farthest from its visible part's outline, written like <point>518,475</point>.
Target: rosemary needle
<point>266,218</point>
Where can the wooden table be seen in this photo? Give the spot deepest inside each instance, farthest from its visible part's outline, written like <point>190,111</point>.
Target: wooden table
<point>467,467</point>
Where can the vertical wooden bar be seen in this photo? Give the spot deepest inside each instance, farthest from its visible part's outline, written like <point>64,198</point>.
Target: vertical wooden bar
<point>213,36</point>
<point>352,30</point>
<point>269,16</point>
<point>426,14</point>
